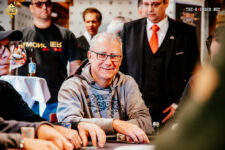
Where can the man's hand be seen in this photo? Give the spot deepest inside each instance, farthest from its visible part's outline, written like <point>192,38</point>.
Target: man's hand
<point>131,130</point>
<point>97,134</point>
<point>36,144</point>
<point>171,113</point>
<point>48,133</point>
<point>71,135</point>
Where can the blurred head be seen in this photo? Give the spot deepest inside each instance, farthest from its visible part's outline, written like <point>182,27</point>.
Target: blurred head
<point>41,9</point>
<point>214,41</point>
<point>92,20</point>
<point>155,10</point>
<point>140,12</point>
<point>105,57</point>
<point>116,24</point>
<point>5,38</point>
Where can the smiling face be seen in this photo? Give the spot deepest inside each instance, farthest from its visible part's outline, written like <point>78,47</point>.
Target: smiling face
<point>104,71</point>
<point>155,10</point>
<point>4,57</point>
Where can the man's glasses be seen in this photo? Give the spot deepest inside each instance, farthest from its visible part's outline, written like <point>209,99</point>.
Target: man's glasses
<point>2,49</point>
<point>41,4</point>
<point>153,5</point>
<point>103,57</point>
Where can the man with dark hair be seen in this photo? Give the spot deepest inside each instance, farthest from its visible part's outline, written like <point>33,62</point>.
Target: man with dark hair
<point>160,54</point>
<point>140,13</point>
<point>92,20</point>
<point>53,47</point>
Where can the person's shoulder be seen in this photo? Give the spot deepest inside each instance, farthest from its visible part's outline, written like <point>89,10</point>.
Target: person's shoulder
<point>2,83</point>
<point>28,30</point>
<point>73,81</point>
<point>180,25</point>
<point>81,38</point>
<point>5,85</point>
<point>135,22</point>
<point>126,78</point>
<point>62,29</point>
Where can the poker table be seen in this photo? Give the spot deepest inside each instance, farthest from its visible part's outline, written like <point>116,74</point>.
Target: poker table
<point>113,144</point>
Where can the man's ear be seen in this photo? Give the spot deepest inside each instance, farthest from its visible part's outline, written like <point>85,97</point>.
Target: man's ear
<point>31,8</point>
<point>89,55</point>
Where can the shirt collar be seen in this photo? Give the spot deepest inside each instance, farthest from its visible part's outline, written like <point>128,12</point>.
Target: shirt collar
<point>160,24</point>
<point>87,36</point>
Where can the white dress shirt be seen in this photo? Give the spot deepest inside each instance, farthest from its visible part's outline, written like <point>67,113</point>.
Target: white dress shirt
<point>87,36</point>
<point>163,25</point>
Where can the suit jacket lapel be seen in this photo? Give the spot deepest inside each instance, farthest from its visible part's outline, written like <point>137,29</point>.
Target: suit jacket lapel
<point>142,32</point>
<point>170,41</point>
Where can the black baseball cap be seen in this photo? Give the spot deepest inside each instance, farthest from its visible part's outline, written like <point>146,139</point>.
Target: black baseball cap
<point>13,35</point>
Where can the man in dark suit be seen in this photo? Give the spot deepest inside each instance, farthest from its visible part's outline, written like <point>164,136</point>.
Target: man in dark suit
<point>92,20</point>
<point>161,60</point>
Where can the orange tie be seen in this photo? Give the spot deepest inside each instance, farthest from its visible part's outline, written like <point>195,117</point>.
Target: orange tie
<point>154,39</point>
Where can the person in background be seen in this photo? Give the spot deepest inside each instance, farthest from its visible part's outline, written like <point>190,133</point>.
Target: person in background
<point>47,137</point>
<point>116,24</point>
<point>92,18</point>
<point>103,95</point>
<point>141,14</point>
<point>13,107</point>
<point>213,43</point>
<point>53,47</point>
<point>160,54</point>
<point>201,121</point>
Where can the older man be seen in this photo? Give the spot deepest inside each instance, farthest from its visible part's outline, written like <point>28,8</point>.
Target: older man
<point>103,95</point>
<point>12,106</point>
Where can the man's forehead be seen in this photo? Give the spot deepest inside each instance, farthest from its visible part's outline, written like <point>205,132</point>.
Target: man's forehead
<point>111,48</point>
<point>91,15</point>
<point>33,1</point>
<point>151,1</point>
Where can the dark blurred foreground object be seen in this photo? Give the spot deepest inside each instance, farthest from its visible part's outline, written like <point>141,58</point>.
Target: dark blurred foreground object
<point>202,121</point>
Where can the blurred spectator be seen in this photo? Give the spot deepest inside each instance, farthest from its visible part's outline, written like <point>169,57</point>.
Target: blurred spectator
<point>213,42</point>
<point>92,20</point>
<point>201,120</point>
<point>116,24</point>
<point>141,13</point>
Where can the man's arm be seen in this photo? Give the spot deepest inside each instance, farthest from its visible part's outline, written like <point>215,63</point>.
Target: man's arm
<point>17,105</point>
<point>193,53</point>
<point>44,131</point>
<point>72,107</point>
<point>136,109</point>
<point>74,65</point>
<point>15,140</point>
<point>74,53</point>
